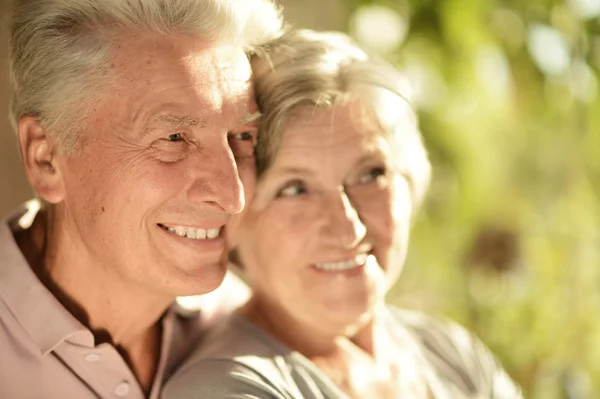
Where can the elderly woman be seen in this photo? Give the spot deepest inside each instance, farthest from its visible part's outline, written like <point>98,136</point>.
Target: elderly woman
<point>342,170</point>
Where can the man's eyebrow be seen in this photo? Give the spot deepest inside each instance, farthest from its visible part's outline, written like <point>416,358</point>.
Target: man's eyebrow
<point>180,120</point>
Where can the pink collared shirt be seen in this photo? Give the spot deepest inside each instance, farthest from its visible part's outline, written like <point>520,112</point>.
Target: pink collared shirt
<point>45,352</point>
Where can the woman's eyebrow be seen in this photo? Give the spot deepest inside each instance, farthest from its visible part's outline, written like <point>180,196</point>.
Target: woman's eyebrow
<point>373,155</point>
<point>253,117</point>
<point>292,170</point>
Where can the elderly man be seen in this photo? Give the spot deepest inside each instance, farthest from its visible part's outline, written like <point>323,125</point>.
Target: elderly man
<point>136,125</point>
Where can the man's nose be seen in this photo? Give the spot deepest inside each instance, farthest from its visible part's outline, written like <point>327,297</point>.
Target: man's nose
<point>217,180</point>
<point>344,227</point>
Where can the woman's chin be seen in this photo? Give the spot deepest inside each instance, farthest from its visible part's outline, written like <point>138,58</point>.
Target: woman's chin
<point>349,317</point>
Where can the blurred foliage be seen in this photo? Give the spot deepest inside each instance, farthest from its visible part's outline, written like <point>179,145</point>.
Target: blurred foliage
<point>508,242</point>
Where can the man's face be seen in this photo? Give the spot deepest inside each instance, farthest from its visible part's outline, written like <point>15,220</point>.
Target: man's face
<point>167,158</point>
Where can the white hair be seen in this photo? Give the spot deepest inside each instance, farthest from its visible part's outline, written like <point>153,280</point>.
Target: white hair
<point>304,69</point>
<point>60,49</point>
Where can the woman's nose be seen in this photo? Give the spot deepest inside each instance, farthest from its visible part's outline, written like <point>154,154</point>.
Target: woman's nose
<point>344,229</point>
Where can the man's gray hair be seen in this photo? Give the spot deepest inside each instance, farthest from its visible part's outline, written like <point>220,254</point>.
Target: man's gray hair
<point>304,69</point>
<point>60,49</point>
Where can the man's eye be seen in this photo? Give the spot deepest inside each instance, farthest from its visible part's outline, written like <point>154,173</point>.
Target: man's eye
<point>372,175</point>
<point>175,137</point>
<point>292,190</point>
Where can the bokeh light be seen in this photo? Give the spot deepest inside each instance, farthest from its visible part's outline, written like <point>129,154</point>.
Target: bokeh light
<point>379,27</point>
<point>548,49</point>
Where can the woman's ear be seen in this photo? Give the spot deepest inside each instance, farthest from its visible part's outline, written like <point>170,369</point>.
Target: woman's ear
<point>38,154</point>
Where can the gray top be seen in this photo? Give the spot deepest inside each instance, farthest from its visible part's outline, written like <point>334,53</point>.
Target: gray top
<point>240,361</point>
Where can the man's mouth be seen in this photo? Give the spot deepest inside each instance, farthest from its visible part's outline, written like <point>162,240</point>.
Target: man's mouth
<point>194,233</point>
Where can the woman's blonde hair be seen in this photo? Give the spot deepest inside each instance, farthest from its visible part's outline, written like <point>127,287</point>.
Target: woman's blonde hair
<point>60,49</point>
<point>304,68</point>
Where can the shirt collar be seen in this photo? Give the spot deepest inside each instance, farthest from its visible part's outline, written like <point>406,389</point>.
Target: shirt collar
<point>49,323</point>
<point>36,309</point>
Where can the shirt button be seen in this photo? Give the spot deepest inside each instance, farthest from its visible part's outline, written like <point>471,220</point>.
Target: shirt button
<point>122,389</point>
<point>92,357</point>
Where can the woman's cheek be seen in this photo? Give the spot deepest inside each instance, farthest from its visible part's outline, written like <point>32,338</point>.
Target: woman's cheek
<point>295,227</point>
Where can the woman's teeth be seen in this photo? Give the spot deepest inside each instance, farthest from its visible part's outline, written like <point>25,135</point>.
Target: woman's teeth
<point>196,234</point>
<point>357,261</point>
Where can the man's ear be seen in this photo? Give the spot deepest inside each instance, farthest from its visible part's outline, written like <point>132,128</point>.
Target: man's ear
<point>38,154</point>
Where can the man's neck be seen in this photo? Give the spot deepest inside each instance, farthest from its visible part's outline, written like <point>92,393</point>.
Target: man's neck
<point>116,311</point>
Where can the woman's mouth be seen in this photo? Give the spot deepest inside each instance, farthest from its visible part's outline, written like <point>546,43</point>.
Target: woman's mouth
<point>349,264</point>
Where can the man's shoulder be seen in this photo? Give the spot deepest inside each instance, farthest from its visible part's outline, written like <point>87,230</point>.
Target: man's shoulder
<point>25,303</point>
<point>18,220</point>
<point>14,338</point>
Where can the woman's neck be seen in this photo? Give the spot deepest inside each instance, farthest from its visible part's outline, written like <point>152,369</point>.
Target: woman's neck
<point>368,363</point>
<point>316,340</point>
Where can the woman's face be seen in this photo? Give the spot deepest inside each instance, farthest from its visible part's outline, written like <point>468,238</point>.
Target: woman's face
<point>327,232</point>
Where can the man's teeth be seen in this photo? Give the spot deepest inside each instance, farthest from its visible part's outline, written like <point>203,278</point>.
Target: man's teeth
<point>357,261</point>
<point>197,234</point>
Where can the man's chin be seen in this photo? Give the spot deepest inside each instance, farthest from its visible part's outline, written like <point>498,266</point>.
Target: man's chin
<point>203,279</point>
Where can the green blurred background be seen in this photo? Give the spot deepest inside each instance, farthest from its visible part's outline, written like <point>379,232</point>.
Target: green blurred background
<point>508,242</point>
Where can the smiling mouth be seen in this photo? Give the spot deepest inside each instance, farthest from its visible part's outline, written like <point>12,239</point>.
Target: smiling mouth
<point>193,233</point>
<point>349,264</point>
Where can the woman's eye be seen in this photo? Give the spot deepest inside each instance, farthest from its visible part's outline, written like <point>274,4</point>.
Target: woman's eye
<point>244,136</point>
<point>242,144</point>
<point>291,190</point>
<point>175,137</point>
<point>372,175</point>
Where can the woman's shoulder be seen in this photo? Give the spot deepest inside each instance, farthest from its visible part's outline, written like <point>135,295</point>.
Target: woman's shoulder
<point>456,356</point>
<point>221,378</point>
<point>235,360</point>
<point>444,342</point>
<point>440,335</point>
<point>235,337</point>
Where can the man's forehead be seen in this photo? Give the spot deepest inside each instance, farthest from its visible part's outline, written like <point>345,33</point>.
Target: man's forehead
<point>225,62</point>
<point>182,58</point>
<point>179,85</point>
